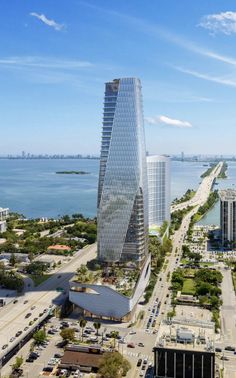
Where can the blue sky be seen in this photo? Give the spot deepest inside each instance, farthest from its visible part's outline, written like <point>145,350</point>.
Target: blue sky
<point>55,57</point>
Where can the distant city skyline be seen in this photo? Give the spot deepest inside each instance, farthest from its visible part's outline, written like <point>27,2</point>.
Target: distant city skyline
<point>54,62</point>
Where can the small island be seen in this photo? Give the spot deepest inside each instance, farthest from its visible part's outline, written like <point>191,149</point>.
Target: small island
<point>72,173</point>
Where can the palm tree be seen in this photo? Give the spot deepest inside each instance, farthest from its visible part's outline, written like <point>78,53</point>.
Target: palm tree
<point>114,335</point>
<point>97,326</point>
<point>82,324</point>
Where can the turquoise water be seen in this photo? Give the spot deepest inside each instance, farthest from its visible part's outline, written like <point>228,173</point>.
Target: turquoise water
<point>32,187</point>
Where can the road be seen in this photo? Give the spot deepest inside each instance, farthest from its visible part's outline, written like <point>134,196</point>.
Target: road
<point>228,323</point>
<point>202,191</point>
<point>161,290</point>
<point>13,316</point>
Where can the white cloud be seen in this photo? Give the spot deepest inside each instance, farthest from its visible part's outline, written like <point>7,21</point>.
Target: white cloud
<point>40,62</point>
<point>155,31</point>
<point>157,120</point>
<point>224,22</point>
<point>216,79</point>
<point>47,21</point>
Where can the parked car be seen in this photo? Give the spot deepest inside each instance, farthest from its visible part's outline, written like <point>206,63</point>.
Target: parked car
<point>28,315</point>
<point>130,345</point>
<point>230,348</point>
<point>139,363</point>
<point>140,344</point>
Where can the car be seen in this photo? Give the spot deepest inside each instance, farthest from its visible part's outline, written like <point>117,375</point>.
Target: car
<point>12,339</point>
<point>140,344</point>
<point>29,359</point>
<point>45,310</point>
<point>25,302</point>
<point>50,306</point>
<point>5,346</point>
<point>15,301</point>
<point>230,348</point>
<point>139,363</point>
<point>28,315</point>
<point>51,332</point>
<point>218,349</point>
<point>48,369</point>
<point>35,319</point>
<point>224,358</point>
<point>33,307</point>
<point>141,374</point>
<point>18,333</point>
<point>59,276</point>
<point>145,361</point>
<point>143,367</point>
<point>132,333</point>
<point>26,328</point>
<point>41,314</point>
<point>57,355</point>
<point>130,345</point>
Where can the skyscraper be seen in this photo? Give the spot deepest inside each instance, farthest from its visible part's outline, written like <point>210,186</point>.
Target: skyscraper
<point>228,215</point>
<point>122,188</point>
<point>158,172</point>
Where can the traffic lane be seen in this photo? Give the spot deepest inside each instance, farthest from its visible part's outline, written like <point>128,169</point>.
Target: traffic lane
<point>10,320</point>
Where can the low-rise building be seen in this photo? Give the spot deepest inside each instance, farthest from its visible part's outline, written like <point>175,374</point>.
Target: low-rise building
<point>84,358</point>
<point>59,249</point>
<point>20,257</point>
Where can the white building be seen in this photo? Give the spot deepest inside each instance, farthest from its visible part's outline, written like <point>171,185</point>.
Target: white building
<point>158,169</point>
<point>4,213</point>
<point>3,226</point>
<point>3,216</point>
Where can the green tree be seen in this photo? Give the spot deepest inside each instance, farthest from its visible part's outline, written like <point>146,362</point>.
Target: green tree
<point>68,334</point>
<point>82,324</point>
<point>113,365</point>
<point>19,361</point>
<point>114,335</point>
<point>97,326</point>
<point>39,336</point>
<point>13,260</point>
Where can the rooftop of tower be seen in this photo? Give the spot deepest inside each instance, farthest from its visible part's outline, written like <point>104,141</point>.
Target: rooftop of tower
<point>227,195</point>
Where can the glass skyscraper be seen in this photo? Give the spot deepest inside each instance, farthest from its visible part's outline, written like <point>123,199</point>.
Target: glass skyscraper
<point>158,172</point>
<point>122,188</point>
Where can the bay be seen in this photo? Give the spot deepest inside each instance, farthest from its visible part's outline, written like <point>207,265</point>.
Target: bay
<point>33,188</point>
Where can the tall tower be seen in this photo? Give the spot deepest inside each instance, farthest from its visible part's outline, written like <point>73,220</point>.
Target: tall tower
<point>228,215</point>
<point>122,188</point>
<point>158,172</point>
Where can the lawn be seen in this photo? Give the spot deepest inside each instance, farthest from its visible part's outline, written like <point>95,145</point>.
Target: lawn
<point>188,286</point>
<point>39,279</point>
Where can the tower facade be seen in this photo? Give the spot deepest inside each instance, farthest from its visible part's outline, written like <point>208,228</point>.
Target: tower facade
<point>228,215</point>
<point>122,188</point>
<point>158,172</point>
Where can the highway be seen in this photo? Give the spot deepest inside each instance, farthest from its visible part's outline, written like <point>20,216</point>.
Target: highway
<point>13,316</point>
<point>202,192</point>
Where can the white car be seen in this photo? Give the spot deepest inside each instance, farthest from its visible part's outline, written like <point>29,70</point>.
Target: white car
<point>132,333</point>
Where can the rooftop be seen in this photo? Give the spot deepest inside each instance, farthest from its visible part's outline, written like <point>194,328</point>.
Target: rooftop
<point>187,333</point>
<point>80,359</point>
<point>227,195</point>
<point>59,247</point>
